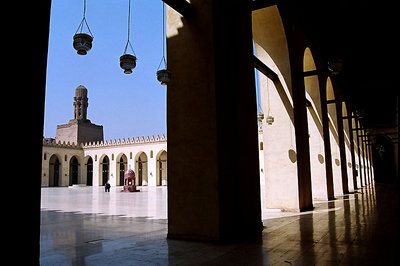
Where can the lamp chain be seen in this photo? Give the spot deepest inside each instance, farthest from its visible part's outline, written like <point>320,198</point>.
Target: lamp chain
<point>83,21</point>
<point>128,42</point>
<point>163,41</point>
<point>84,8</point>
<point>129,19</point>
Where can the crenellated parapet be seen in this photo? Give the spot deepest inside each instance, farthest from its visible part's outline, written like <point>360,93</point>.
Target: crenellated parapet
<point>128,141</point>
<point>47,142</point>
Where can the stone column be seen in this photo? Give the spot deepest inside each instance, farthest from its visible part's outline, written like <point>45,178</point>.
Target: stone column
<point>96,170</point>
<point>342,149</point>
<point>352,150</point>
<point>363,155</point>
<point>113,174</point>
<point>327,142</point>
<point>152,169</point>
<point>302,144</point>
<point>296,55</point>
<point>359,152</point>
<point>213,177</point>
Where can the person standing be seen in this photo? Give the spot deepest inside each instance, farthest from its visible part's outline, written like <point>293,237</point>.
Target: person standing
<point>107,187</point>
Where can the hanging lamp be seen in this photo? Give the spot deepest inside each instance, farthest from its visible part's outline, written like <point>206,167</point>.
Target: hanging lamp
<point>260,116</point>
<point>270,119</point>
<point>163,75</point>
<point>83,41</point>
<point>128,61</point>
<point>335,66</point>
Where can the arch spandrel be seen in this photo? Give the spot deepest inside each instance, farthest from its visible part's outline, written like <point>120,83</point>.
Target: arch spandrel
<point>269,34</point>
<point>308,61</point>
<point>346,124</point>
<point>332,114</point>
<point>311,84</point>
<point>123,155</point>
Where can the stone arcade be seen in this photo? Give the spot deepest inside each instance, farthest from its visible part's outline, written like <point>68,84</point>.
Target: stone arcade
<point>79,155</point>
<point>317,123</point>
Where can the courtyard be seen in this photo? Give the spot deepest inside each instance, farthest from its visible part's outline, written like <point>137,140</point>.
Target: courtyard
<point>149,203</point>
<point>87,226</point>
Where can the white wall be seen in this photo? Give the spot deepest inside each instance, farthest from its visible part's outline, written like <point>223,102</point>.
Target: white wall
<point>97,151</point>
<point>131,151</point>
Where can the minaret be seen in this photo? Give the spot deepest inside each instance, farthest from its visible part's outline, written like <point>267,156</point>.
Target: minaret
<point>80,129</point>
<point>80,103</point>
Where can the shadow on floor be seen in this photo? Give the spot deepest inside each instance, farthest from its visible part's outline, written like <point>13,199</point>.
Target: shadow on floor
<point>359,229</point>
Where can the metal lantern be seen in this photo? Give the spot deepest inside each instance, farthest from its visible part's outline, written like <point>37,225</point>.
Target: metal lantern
<point>270,120</point>
<point>82,43</point>
<point>360,113</point>
<point>335,66</point>
<point>127,62</point>
<point>164,76</point>
<point>260,116</point>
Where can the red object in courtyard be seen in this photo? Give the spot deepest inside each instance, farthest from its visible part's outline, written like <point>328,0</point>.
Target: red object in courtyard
<point>129,182</point>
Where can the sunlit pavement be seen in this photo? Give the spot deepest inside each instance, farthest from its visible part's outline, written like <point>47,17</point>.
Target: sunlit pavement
<point>86,226</point>
<point>150,202</point>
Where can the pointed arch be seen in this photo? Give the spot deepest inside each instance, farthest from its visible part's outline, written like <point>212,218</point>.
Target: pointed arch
<point>122,166</point>
<point>271,41</point>
<point>88,170</point>
<point>334,138</point>
<point>104,170</point>
<point>55,167</point>
<point>74,171</point>
<point>161,168</point>
<point>141,169</point>
<point>315,128</point>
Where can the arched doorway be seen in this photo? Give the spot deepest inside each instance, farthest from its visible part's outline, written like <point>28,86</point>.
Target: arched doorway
<point>89,172</point>
<point>54,171</point>
<point>161,168</point>
<point>73,171</point>
<point>105,170</point>
<point>334,139</point>
<point>141,169</point>
<point>315,129</point>
<point>122,163</point>
<point>279,139</point>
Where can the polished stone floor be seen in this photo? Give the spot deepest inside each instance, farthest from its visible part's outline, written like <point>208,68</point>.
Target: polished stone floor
<point>150,202</point>
<point>86,226</point>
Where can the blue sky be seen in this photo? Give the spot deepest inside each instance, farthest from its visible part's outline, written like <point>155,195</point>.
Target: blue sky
<point>126,105</point>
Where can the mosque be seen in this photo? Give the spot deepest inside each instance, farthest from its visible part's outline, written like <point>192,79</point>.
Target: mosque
<point>330,124</point>
<point>79,156</point>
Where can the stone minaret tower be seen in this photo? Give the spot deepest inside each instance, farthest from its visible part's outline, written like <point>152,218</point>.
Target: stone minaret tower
<point>80,103</point>
<point>80,129</point>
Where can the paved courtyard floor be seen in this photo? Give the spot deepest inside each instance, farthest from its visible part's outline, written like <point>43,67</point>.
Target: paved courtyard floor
<point>86,226</point>
<point>150,202</point>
